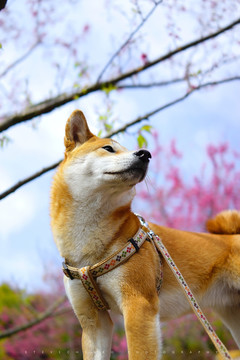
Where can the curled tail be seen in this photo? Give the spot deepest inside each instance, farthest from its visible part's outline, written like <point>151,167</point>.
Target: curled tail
<point>226,222</point>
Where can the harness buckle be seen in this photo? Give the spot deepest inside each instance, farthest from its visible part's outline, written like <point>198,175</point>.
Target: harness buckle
<point>66,270</point>
<point>134,243</point>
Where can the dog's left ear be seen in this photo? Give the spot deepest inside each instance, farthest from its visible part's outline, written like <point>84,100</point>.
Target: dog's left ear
<point>76,131</point>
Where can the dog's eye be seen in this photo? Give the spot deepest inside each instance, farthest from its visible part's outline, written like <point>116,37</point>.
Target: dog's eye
<point>108,148</point>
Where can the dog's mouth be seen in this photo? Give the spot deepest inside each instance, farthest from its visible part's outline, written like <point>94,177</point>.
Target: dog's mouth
<point>137,173</point>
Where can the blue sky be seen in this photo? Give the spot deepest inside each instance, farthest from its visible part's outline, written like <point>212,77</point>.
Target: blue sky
<point>208,116</point>
<point>27,246</point>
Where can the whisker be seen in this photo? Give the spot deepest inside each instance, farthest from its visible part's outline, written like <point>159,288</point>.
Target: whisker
<point>150,184</point>
<point>146,180</point>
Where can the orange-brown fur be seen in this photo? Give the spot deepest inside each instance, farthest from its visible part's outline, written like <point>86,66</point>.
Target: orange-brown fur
<point>227,222</point>
<point>90,224</point>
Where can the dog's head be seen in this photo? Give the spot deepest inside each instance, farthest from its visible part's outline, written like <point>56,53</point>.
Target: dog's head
<point>95,164</point>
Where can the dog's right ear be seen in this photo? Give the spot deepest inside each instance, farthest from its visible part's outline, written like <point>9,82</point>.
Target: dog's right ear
<point>76,131</point>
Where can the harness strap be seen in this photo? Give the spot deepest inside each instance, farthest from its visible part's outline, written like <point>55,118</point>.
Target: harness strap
<point>88,274</point>
<point>92,288</point>
<point>121,255</point>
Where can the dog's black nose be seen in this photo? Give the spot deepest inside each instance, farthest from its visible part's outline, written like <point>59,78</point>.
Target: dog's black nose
<point>143,155</point>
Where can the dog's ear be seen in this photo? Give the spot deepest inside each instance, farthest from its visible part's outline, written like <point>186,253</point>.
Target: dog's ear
<point>76,131</point>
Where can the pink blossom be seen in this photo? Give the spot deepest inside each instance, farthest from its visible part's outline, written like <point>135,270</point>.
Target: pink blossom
<point>144,58</point>
<point>86,28</point>
<point>182,203</point>
<point>173,149</point>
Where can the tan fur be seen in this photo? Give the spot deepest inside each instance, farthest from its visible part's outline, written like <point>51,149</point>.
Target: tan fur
<point>91,218</point>
<point>226,222</point>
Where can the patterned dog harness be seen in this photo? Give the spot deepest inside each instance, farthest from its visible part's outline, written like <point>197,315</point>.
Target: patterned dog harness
<point>88,274</point>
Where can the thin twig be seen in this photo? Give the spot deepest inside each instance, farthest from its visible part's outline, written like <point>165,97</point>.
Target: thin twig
<point>171,103</point>
<point>151,84</point>
<point>148,115</point>
<point>28,179</point>
<point>61,312</point>
<point>49,105</point>
<point>128,40</point>
<point>20,59</point>
<point>122,129</point>
<point>37,320</point>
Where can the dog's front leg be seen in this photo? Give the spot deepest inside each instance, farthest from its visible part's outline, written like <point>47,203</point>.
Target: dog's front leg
<point>142,324</point>
<point>96,336</point>
<point>96,325</point>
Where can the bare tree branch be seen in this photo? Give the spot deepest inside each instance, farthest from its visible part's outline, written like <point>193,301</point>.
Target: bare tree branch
<point>49,312</point>
<point>3,4</point>
<point>170,82</point>
<point>46,106</point>
<point>61,312</point>
<point>128,40</point>
<point>20,59</point>
<point>152,84</point>
<point>191,91</point>
<point>49,105</point>
<point>122,129</point>
<point>28,179</point>
<point>148,115</point>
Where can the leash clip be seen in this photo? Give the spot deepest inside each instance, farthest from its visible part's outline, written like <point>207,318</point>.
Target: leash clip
<point>66,270</point>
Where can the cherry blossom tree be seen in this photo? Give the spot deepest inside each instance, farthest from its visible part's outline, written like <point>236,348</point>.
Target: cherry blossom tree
<point>52,56</point>
<point>47,41</point>
<point>186,203</point>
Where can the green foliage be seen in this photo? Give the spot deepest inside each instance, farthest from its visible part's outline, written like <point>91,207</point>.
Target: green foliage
<point>4,140</point>
<point>185,339</point>
<point>10,298</point>
<point>3,354</point>
<point>141,139</point>
<point>82,68</point>
<point>147,128</point>
<point>55,338</point>
<point>59,337</point>
<point>107,89</point>
<point>106,120</point>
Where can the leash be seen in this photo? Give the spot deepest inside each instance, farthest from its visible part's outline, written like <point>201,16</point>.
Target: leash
<point>88,275</point>
<point>191,299</point>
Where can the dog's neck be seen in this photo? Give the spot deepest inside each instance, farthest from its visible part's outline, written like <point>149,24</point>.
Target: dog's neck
<point>95,227</point>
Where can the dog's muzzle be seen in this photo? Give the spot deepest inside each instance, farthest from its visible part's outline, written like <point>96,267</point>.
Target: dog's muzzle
<point>143,155</point>
<point>141,162</point>
<point>138,169</point>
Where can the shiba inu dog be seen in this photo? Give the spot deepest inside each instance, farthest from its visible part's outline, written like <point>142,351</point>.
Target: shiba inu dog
<point>92,218</point>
